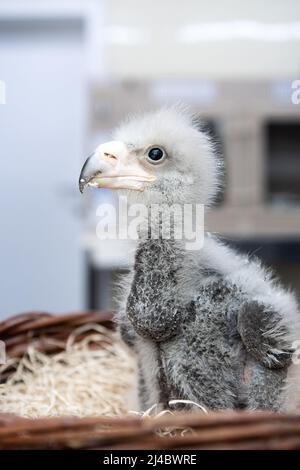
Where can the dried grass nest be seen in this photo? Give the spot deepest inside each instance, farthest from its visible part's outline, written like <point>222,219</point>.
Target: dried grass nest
<point>90,377</point>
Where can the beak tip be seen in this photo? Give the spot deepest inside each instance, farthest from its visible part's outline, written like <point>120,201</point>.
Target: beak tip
<point>81,185</point>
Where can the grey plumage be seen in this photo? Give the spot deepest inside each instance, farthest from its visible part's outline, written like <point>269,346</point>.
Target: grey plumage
<point>201,350</point>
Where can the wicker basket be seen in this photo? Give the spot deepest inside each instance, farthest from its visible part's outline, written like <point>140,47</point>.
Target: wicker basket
<point>230,430</point>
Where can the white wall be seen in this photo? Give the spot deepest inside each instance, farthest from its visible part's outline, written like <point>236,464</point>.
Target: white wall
<point>42,129</point>
<point>146,38</point>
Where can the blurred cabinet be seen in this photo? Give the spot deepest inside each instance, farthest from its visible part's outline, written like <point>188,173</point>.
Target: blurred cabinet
<point>283,161</point>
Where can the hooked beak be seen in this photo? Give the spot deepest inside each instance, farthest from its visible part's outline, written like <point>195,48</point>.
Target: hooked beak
<point>113,166</point>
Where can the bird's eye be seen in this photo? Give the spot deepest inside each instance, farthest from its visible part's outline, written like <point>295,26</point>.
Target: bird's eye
<point>156,155</point>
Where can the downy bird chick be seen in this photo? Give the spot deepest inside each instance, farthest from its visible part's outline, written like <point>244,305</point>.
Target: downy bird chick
<point>210,326</point>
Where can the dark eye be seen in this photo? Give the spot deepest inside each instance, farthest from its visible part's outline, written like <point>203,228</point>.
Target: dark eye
<point>156,155</point>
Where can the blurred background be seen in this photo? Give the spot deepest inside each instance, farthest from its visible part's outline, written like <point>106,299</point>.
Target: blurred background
<point>70,70</point>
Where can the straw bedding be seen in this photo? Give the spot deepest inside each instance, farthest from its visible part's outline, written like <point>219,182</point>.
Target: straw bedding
<point>91,377</point>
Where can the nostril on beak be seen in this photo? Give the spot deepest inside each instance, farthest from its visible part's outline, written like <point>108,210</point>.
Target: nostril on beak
<point>110,155</point>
